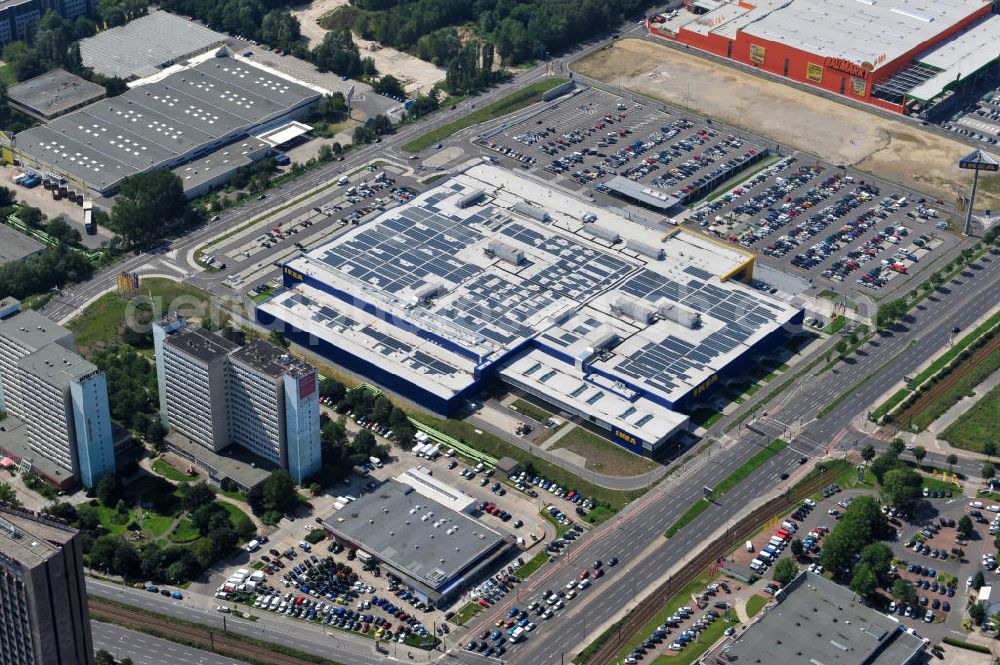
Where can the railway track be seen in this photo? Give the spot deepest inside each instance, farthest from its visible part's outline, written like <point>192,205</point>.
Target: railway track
<point>202,638</point>
<point>648,608</point>
<point>949,380</point>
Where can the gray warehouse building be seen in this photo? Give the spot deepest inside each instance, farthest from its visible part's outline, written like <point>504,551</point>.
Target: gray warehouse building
<point>816,620</point>
<point>53,94</point>
<point>435,551</point>
<point>182,117</point>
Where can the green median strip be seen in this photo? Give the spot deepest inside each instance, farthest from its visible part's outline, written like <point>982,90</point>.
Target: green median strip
<point>850,391</point>
<point>512,102</point>
<point>534,564</point>
<point>727,484</point>
<point>953,352</point>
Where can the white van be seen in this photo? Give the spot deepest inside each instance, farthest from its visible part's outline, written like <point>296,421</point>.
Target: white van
<point>749,546</point>
<point>764,556</point>
<point>790,526</point>
<point>253,546</point>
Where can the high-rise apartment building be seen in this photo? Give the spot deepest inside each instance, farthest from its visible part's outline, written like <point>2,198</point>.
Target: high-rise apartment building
<point>258,397</point>
<point>18,17</point>
<point>43,601</point>
<point>61,398</point>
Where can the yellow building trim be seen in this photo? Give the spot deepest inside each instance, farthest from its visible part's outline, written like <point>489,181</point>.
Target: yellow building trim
<point>749,263</point>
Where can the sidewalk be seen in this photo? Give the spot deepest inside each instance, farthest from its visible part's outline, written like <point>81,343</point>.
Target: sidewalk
<point>929,437</point>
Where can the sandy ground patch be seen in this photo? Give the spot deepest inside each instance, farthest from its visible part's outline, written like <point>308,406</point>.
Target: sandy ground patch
<point>835,132</point>
<point>416,74</point>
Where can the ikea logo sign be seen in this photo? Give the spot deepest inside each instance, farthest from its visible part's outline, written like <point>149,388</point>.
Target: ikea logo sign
<point>627,438</point>
<point>706,384</point>
<point>293,274</point>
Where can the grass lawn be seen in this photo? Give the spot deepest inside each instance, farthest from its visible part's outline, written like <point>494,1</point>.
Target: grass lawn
<point>239,496</point>
<point>964,386</point>
<point>953,352</point>
<point>7,76</point>
<point>560,529</point>
<point>534,564</point>
<point>705,417</point>
<point>755,604</point>
<point>184,532</point>
<point>680,599</point>
<point>603,455</point>
<point>101,322</point>
<point>157,524</point>
<point>169,472</point>
<point>516,100</point>
<point>532,411</point>
<point>837,324</point>
<point>112,521</point>
<point>727,483</point>
<point>486,442</point>
<point>465,613</point>
<point>936,484</point>
<point>978,425</point>
<point>237,516</point>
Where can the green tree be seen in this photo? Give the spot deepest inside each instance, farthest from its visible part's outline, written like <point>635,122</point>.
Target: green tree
<point>102,657</point>
<point>278,339</point>
<point>919,453</point>
<point>390,86</point>
<point>864,581</point>
<point>897,447</point>
<point>978,580</point>
<point>901,487</point>
<point>8,495</point>
<point>338,54</point>
<point>977,613</point>
<point>279,491</point>
<point>952,460</point>
<point>988,470</point>
<point>868,452</point>
<point>965,527</point>
<point>197,495</point>
<point>784,571</point>
<point>150,206</point>
<point>878,557</point>
<point>108,489</point>
<point>797,547</point>
<point>989,448</point>
<point>882,465</point>
<point>904,592</point>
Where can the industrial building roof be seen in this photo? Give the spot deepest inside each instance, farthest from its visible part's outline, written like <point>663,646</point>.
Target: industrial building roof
<point>202,344</point>
<point>647,196</point>
<point>422,538</point>
<point>14,245</point>
<point>437,292</point>
<point>866,31</point>
<point>144,45</point>
<point>219,164</point>
<point>53,93</point>
<point>163,123</point>
<point>271,359</point>
<point>819,621</point>
<point>959,57</point>
<point>56,365</point>
<point>423,481</point>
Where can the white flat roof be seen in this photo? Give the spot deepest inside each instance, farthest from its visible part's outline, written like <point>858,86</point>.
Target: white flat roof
<point>560,384</point>
<point>285,133</point>
<point>452,289</point>
<point>426,485</point>
<point>959,56</point>
<point>872,31</point>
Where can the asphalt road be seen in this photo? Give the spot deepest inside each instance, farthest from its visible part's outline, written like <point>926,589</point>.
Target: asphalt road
<point>637,540</point>
<point>145,649</point>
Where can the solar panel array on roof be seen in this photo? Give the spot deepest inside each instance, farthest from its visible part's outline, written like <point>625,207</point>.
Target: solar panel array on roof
<point>401,251</point>
<point>741,314</point>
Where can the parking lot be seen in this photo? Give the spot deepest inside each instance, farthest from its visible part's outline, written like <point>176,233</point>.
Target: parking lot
<point>825,222</point>
<point>979,120</point>
<point>929,554</point>
<point>592,136</point>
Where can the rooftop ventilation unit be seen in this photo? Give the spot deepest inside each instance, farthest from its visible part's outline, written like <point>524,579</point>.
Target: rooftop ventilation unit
<point>633,309</point>
<point>506,252</point>
<point>531,211</point>
<point>678,313</point>
<point>651,251</point>
<point>604,233</point>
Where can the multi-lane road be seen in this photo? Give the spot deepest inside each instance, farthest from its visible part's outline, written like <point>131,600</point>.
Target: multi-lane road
<point>148,650</point>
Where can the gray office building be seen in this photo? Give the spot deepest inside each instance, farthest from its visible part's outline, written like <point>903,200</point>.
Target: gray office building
<point>43,601</point>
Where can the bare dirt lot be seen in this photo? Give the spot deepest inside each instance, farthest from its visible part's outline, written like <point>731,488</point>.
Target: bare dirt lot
<point>416,74</point>
<point>840,134</point>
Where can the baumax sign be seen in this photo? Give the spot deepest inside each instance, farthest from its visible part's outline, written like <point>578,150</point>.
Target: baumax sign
<point>848,67</point>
